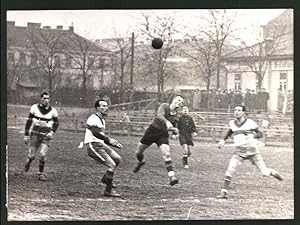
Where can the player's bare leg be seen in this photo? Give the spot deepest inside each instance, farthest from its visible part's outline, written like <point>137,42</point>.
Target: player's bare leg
<point>185,156</point>
<point>233,164</point>
<point>165,149</point>
<point>259,162</point>
<point>140,156</point>
<point>30,158</point>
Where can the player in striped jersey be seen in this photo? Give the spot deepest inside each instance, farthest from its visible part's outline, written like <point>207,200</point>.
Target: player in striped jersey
<point>98,146</point>
<point>245,133</point>
<point>41,124</point>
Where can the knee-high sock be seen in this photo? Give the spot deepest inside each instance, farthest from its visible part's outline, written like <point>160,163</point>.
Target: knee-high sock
<point>109,176</point>
<point>41,165</point>
<point>169,167</point>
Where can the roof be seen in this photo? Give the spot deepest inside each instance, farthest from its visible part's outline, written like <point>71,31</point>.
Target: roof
<point>24,36</point>
<point>277,32</point>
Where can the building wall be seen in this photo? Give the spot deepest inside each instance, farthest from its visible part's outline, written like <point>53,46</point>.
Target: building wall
<point>284,66</point>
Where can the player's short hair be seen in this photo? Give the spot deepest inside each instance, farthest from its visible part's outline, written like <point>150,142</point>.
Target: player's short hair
<point>97,103</point>
<point>243,107</point>
<point>185,106</point>
<point>177,95</point>
<point>44,92</point>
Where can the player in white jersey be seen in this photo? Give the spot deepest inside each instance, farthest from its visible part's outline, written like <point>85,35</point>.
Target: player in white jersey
<point>41,124</point>
<point>98,146</point>
<point>245,133</point>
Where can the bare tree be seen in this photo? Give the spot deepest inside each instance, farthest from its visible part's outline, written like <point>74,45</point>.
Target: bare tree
<point>259,56</point>
<point>163,27</point>
<point>204,58</point>
<point>84,55</point>
<point>120,53</point>
<point>209,43</point>
<point>47,45</point>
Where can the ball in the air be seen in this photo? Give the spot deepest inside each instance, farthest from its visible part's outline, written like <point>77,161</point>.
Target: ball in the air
<point>157,43</point>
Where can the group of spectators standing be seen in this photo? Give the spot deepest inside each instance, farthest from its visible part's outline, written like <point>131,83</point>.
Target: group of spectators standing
<point>223,99</point>
<point>212,99</point>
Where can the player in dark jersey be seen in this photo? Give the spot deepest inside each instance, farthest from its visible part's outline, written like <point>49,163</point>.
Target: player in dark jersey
<point>187,129</point>
<point>41,124</point>
<point>245,133</point>
<point>157,133</point>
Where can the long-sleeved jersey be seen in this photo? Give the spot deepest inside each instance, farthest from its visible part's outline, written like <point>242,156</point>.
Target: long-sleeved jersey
<point>164,114</point>
<point>186,125</point>
<point>43,119</point>
<point>245,136</point>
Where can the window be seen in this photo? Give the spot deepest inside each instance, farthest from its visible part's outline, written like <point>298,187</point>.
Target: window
<point>283,82</point>
<point>237,81</point>
<point>68,61</point>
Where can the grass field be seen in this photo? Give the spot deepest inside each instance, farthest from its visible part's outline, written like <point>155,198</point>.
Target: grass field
<point>74,191</point>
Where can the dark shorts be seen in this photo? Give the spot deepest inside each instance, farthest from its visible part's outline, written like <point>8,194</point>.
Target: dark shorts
<point>186,139</point>
<point>155,135</point>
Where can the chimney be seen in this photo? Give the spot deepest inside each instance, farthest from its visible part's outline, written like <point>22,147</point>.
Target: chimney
<point>33,25</point>
<point>59,27</point>
<point>11,23</point>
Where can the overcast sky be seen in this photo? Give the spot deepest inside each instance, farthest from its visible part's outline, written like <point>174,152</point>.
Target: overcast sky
<point>97,24</point>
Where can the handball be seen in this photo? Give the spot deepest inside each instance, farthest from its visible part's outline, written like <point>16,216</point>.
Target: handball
<point>157,43</point>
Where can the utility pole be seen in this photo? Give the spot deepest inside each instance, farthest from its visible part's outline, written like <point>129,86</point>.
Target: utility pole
<point>132,59</point>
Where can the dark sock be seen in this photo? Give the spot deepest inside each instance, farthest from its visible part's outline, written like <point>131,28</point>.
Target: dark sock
<point>41,166</point>
<point>169,165</point>
<point>109,178</point>
<point>185,160</point>
<point>140,157</point>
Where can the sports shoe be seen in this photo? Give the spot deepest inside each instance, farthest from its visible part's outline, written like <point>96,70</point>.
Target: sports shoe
<point>186,166</point>
<point>111,194</point>
<point>173,180</point>
<point>103,180</point>
<point>275,174</point>
<point>138,167</point>
<point>42,177</point>
<point>223,194</point>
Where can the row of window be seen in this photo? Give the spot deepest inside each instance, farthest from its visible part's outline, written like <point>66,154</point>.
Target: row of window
<point>282,81</point>
<point>60,61</point>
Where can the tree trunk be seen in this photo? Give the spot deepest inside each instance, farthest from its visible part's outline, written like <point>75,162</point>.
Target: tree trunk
<point>50,81</point>
<point>207,84</point>
<point>259,81</point>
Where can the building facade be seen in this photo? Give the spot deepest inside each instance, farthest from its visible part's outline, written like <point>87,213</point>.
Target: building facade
<point>272,59</point>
